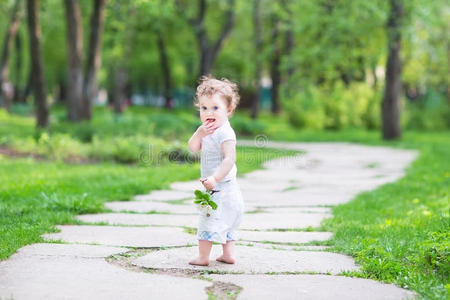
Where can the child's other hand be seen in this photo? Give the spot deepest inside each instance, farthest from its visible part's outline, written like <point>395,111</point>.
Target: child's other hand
<point>207,128</point>
<point>209,182</point>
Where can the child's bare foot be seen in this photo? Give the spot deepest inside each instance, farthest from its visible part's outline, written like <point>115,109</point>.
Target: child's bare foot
<point>225,259</point>
<point>199,262</point>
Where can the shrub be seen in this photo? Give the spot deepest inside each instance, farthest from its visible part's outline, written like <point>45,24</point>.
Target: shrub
<point>245,126</point>
<point>305,110</point>
<point>432,112</point>
<point>336,107</point>
<point>57,146</point>
<point>140,149</point>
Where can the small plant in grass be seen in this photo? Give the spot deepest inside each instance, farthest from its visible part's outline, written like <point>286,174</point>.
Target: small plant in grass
<point>204,202</point>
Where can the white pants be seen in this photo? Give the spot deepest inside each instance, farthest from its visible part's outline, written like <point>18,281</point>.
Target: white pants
<point>221,224</point>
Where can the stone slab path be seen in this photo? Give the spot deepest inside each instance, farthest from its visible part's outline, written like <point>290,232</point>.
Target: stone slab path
<point>140,249</point>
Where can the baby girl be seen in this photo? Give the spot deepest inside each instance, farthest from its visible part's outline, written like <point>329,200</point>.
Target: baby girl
<point>217,100</point>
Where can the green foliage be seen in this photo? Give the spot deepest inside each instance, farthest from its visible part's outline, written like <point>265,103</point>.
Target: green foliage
<point>305,109</point>
<point>335,108</point>
<point>431,112</point>
<point>57,146</point>
<point>127,139</point>
<point>328,44</point>
<point>247,127</point>
<point>204,199</point>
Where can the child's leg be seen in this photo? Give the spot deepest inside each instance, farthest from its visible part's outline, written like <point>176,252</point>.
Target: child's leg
<point>228,253</point>
<point>204,249</point>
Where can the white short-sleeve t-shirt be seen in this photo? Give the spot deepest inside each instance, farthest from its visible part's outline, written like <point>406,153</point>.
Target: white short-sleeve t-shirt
<point>211,155</point>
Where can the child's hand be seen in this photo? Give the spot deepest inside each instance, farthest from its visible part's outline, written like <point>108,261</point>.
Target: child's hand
<point>206,128</point>
<point>209,182</point>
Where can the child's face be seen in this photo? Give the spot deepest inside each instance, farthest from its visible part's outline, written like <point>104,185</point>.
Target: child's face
<point>214,109</point>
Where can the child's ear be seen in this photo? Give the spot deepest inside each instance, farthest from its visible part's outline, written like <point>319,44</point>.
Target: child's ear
<point>229,112</point>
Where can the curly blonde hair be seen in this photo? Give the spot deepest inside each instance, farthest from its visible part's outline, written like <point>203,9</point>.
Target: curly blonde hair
<point>209,86</point>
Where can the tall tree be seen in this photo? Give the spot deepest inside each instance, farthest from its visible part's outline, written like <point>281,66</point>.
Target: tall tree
<point>75,58</point>
<point>208,49</point>
<point>36,64</point>
<point>257,41</point>
<point>391,99</point>
<point>119,89</point>
<point>288,38</point>
<point>18,84</point>
<point>125,12</point>
<point>94,59</point>
<point>5,96</point>
<point>275,73</point>
<point>165,67</point>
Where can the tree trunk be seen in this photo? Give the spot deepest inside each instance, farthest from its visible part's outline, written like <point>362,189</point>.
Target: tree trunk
<point>257,40</point>
<point>391,99</point>
<point>5,95</point>
<point>208,53</point>
<point>289,46</point>
<point>275,67</point>
<point>165,67</point>
<point>119,92</point>
<point>288,39</point>
<point>18,92</point>
<point>75,54</point>
<point>90,85</point>
<point>36,64</point>
<point>373,70</point>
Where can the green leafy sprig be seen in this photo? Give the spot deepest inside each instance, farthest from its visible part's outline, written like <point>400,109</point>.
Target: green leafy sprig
<point>202,198</point>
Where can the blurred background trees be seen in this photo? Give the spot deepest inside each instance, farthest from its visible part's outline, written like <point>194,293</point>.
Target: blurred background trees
<point>326,64</point>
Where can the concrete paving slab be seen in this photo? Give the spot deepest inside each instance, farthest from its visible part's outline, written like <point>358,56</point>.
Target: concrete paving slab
<point>250,221</point>
<point>158,207</point>
<point>251,260</point>
<point>318,287</point>
<point>123,236</point>
<point>141,219</point>
<point>269,175</point>
<point>275,185</point>
<point>50,249</point>
<point>151,206</point>
<point>187,186</point>
<point>301,198</point>
<point>283,236</point>
<point>27,276</point>
<point>165,195</point>
<point>283,247</point>
<point>264,221</point>
<point>248,185</point>
<point>297,209</point>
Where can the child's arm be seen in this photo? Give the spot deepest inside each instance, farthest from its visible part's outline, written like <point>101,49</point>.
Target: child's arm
<point>195,142</point>
<point>229,158</point>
